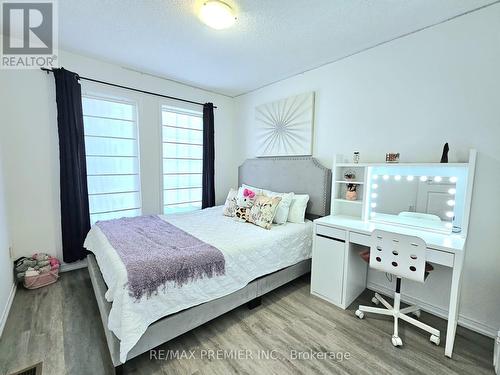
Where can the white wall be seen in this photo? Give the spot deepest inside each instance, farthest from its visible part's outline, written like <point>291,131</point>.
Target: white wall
<point>29,141</point>
<point>6,275</point>
<point>411,96</point>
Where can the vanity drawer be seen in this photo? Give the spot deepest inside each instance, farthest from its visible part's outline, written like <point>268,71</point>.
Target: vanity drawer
<point>360,239</point>
<point>333,233</point>
<point>439,257</point>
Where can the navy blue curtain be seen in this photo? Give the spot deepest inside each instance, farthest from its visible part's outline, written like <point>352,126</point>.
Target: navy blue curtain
<point>75,217</point>
<point>208,178</point>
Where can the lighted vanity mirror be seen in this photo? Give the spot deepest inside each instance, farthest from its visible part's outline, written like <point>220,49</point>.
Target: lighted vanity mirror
<point>430,197</point>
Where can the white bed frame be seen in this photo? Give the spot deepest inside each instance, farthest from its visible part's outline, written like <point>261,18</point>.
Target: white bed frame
<point>298,174</point>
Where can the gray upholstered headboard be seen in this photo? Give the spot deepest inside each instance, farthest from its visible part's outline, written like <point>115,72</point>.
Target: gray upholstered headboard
<point>301,174</point>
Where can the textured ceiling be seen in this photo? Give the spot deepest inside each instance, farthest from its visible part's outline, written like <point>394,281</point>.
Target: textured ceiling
<point>272,39</point>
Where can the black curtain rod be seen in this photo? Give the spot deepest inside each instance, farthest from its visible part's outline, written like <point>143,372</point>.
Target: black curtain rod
<point>132,89</point>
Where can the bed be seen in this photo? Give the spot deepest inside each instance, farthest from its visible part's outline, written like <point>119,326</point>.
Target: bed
<point>257,261</point>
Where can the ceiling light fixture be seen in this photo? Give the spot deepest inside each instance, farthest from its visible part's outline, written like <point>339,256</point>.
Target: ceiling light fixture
<point>217,14</point>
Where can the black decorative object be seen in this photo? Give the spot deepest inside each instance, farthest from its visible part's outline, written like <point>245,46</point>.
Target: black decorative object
<point>444,157</point>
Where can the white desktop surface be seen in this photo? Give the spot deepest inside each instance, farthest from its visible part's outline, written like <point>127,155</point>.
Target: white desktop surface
<point>451,243</point>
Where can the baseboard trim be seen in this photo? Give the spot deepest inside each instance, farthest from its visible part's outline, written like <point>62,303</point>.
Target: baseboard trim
<point>65,267</point>
<point>478,327</point>
<point>463,321</point>
<point>8,305</point>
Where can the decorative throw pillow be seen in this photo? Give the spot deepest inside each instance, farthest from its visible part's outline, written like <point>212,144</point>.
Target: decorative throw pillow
<point>243,205</point>
<point>231,204</point>
<point>283,207</point>
<point>263,211</point>
<point>256,190</point>
<point>298,207</point>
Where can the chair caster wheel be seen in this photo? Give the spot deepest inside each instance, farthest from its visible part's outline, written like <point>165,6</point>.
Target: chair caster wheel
<point>396,341</point>
<point>359,314</point>
<point>417,314</point>
<point>375,301</point>
<point>435,340</point>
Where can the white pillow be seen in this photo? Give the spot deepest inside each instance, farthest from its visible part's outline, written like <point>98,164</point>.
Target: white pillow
<point>297,211</point>
<point>283,207</point>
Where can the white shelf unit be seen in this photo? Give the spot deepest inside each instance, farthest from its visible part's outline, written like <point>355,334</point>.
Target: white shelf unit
<point>348,201</point>
<point>341,205</point>
<point>350,182</point>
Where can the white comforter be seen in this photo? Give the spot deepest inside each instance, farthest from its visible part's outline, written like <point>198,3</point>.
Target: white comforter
<point>249,251</point>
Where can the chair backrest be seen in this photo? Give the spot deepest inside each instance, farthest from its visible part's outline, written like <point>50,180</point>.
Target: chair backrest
<point>398,254</point>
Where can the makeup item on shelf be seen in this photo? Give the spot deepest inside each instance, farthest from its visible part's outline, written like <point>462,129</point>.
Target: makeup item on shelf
<point>444,156</point>
<point>355,157</point>
<point>351,194</point>
<point>392,157</point>
<point>349,175</point>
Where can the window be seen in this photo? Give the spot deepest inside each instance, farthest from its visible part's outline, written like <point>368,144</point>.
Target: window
<point>111,145</point>
<point>182,147</point>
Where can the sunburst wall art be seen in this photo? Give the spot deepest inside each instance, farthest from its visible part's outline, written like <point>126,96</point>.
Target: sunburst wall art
<point>284,127</point>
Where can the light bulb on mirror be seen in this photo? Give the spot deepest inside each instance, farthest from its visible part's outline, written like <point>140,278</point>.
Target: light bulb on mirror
<point>450,203</point>
<point>385,177</point>
<point>453,179</point>
<point>373,204</point>
<point>397,177</point>
<point>409,178</point>
<point>452,191</point>
<point>375,177</point>
<point>449,214</point>
<point>438,179</point>
<point>374,195</point>
<point>374,186</point>
<point>423,178</point>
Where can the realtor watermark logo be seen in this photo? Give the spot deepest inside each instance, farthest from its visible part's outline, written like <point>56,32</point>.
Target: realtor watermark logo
<point>29,34</point>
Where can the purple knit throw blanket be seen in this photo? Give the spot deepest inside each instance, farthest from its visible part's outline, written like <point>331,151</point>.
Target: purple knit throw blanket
<point>155,252</point>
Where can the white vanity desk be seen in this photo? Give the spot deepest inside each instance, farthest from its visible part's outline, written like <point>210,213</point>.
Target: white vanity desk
<point>339,274</point>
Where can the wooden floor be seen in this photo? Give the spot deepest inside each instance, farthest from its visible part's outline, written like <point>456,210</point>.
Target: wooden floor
<point>60,326</point>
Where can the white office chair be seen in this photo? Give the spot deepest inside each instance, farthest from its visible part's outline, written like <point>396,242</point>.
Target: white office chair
<point>404,257</point>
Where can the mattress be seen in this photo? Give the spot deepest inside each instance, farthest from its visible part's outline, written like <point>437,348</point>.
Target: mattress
<point>249,251</point>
